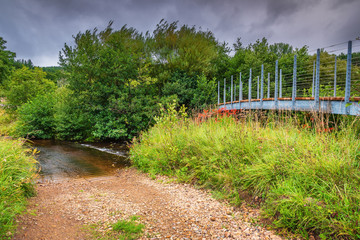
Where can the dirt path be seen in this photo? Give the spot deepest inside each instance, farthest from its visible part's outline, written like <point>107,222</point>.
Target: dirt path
<point>168,210</point>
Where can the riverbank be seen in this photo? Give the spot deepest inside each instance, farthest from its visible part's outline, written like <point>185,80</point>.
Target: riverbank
<point>17,171</point>
<point>305,177</point>
<point>79,208</point>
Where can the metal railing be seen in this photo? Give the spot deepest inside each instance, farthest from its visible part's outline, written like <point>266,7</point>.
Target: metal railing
<point>303,92</point>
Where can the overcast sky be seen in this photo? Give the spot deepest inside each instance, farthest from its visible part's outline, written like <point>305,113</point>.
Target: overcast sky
<point>38,29</point>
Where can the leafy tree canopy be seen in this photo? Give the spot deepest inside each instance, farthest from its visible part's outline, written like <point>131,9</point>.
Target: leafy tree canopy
<point>24,84</point>
<point>6,61</point>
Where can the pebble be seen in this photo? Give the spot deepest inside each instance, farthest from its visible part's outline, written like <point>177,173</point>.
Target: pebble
<point>169,210</point>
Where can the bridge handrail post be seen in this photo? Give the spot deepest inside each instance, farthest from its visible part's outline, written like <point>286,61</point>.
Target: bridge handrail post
<point>258,89</point>
<point>235,92</point>
<point>262,86</point>
<point>231,91</point>
<point>317,81</point>
<point>313,82</point>
<point>218,92</point>
<point>294,82</point>
<point>335,76</point>
<point>249,93</point>
<point>280,84</point>
<point>276,83</point>
<point>268,90</point>
<point>240,90</point>
<point>348,77</point>
<point>224,92</point>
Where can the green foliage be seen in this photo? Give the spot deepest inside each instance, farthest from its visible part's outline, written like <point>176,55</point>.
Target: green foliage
<point>111,90</point>
<point>262,53</point>
<point>183,49</point>
<point>169,115</point>
<point>55,74</point>
<point>182,86</point>
<point>20,63</point>
<point>129,229</point>
<point>17,170</point>
<point>122,229</point>
<point>307,180</point>
<point>205,92</point>
<point>71,120</point>
<point>25,84</point>
<point>36,117</point>
<point>6,61</point>
<point>193,92</point>
<point>324,90</point>
<point>7,123</point>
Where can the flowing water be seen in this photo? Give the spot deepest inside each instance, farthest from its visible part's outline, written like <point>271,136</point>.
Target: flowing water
<point>64,160</point>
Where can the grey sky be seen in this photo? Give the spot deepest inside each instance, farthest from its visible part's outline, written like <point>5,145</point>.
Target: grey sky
<point>38,29</point>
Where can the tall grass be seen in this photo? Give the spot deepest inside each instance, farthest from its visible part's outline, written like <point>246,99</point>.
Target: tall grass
<point>307,178</point>
<point>7,122</point>
<point>17,169</point>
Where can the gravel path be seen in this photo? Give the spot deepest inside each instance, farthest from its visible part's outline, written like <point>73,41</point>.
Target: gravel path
<point>168,210</point>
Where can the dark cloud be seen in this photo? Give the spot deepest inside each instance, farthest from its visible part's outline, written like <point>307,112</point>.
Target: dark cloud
<point>38,29</point>
<point>276,9</point>
<point>339,3</point>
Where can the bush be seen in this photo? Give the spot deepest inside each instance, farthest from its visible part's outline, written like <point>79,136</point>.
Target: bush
<point>36,117</point>
<point>72,121</point>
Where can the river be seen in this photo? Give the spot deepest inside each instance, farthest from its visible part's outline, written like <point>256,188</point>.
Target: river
<point>59,160</point>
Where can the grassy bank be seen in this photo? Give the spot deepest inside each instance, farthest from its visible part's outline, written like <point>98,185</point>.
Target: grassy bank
<point>306,178</point>
<point>17,169</point>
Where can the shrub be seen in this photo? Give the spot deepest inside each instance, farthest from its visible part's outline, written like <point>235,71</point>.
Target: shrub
<point>36,117</point>
<point>71,121</point>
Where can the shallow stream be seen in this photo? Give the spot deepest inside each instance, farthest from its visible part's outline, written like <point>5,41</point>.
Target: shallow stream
<point>60,160</point>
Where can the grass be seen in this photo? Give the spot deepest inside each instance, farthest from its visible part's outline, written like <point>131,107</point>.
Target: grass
<point>129,229</point>
<point>17,170</point>
<point>306,175</point>
<point>7,123</point>
<point>122,230</point>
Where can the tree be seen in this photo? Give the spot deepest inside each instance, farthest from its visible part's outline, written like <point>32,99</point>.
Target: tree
<point>281,49</point>
<point>21,63</point>
<point>36,117</point>
<point>24,84</point>
<point>6,61</point>
<point>109,77</point>
<point>183,49</point>
<point>238,44</point>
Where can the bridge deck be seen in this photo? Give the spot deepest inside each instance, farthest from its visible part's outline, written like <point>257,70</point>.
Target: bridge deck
<point>335,105</point>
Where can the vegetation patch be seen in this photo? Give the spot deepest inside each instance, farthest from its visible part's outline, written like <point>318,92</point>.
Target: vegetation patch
<point>122,229</point>
<point>129,229</point>
<point>17,170</point>
<point>304,171</point>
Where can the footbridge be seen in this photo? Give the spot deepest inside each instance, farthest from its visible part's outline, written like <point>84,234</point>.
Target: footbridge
<point>327,84</point>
